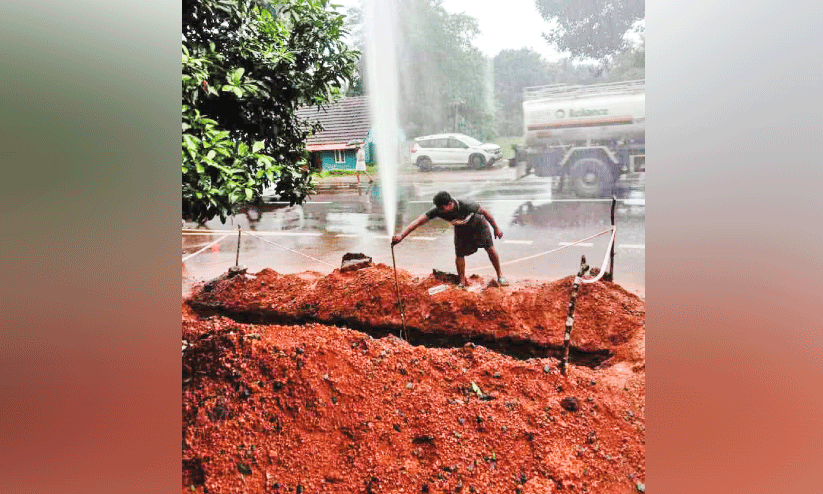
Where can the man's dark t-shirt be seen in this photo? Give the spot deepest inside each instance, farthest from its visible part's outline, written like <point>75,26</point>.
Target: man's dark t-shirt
<point>460,215</point>
<point>471,231</point>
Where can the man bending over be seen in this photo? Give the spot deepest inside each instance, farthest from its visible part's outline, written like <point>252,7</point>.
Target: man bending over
<point>471,231</point>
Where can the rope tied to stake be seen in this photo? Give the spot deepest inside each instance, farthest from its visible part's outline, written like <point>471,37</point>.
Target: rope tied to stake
<point>292,250</point>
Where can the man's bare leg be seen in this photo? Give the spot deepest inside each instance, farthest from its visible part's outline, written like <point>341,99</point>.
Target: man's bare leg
<point>461,269</point>
<point>495,260</point>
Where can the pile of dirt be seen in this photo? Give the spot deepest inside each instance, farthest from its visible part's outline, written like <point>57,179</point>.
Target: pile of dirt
<point>520,320</point>
<point>318,408</point>
<point>322,409</point>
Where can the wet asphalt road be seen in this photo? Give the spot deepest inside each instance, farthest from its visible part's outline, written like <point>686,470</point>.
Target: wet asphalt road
<point>534,215</point>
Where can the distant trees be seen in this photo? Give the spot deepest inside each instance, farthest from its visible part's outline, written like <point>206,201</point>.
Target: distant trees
<point>353,22</point>
<point>592,32</point>
<point>590,29</point>
<point>629,64</point>
<point>517,69</point>
<point>247,65</point>
<point>445,81</point>
<point>514,70</point>
<point>447,84</point>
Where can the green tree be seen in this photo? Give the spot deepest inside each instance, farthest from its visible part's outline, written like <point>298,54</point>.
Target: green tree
<point>247,66</point>
<point>593,28</point>
<point>567,71</point>
<point>354,25</point>
<point>443,76</point>
<point>513,71</point>
<point>630,64</point>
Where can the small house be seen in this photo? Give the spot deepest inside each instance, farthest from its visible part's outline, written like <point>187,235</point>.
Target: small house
<point>344,122</point>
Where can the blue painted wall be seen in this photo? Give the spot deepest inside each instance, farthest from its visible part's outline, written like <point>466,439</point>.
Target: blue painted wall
<point>371,155</point>
<point>327,158</point>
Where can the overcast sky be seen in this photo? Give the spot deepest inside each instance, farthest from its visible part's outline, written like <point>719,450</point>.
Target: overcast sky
<point>510,24</point>
<point>504,25</point>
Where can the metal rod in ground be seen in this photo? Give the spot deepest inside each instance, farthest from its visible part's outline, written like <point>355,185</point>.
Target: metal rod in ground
<point>399,300</point>
<point>610,275</point>
<point>567,338</point>
<point>237,259</point>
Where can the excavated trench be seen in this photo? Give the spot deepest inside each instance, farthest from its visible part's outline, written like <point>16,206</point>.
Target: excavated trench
<point>303,418</point>
<point>518,348</point>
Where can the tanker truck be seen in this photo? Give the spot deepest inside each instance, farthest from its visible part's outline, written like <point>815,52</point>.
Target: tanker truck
<point>591,137</point>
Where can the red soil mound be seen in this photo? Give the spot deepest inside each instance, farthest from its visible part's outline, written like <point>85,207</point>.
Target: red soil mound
<point>314,408</point>
<point>607,316</point>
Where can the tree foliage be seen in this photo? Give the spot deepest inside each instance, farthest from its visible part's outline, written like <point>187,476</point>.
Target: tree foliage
<point>444,79</point>
<point>630,64</point>
<point>354,25</point>
<point>590,28</point>
<point>513,71</point>
<point>247,65</point>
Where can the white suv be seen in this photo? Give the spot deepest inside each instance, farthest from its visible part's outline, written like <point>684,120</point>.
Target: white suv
<point>453,149</point>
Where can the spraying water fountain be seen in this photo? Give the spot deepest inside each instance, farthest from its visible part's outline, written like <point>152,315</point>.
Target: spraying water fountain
<point>382,86</point>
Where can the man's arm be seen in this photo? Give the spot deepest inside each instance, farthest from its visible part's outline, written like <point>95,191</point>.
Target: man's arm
<point>497,232</point>
<point>422,219</point>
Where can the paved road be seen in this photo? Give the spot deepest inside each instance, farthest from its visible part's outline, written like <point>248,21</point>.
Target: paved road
<point>535,218</point>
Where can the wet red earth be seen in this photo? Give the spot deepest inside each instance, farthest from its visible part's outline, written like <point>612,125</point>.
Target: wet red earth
<point>301,384</point>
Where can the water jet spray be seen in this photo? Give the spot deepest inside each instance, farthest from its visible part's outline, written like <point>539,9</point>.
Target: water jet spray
<point>381,26</point>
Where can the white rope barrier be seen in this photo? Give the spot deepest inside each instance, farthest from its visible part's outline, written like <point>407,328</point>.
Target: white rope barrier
<point>204,248</point>
<point>291,250</point>
<point>613,231</point>
<point>276,234</point>
<point>605,261</point>
<point>543,253</point>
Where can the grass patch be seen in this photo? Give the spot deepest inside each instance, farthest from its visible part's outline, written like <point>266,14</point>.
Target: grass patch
<point>373,170</point>
<point>344,173</point>
<point>505,143</point>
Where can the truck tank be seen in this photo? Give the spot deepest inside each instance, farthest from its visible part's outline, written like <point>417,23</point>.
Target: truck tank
<point>563,114</point>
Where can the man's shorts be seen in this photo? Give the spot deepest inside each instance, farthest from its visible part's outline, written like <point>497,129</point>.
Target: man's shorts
<point>473,235</point>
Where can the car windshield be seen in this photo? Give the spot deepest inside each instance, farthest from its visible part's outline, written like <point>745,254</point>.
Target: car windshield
<point>470,141</point>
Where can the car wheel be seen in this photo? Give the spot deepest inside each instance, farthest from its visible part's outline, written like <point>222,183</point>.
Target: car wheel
<point>477,161</point>
<point>424,164</point>
<point>591,178</point>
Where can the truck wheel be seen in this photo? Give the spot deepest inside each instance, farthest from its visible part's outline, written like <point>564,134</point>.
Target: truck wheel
<point>424,164</point>
<point>591,178</point>
<point>477,161</point>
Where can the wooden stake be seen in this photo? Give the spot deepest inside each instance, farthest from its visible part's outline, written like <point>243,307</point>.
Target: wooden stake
<point>399,300</point>
<point>564,364</point>
<point>237,259</point>
<point>610,275</point>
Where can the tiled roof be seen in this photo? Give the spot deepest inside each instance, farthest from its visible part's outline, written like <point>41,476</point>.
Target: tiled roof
<point>343,121</point>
